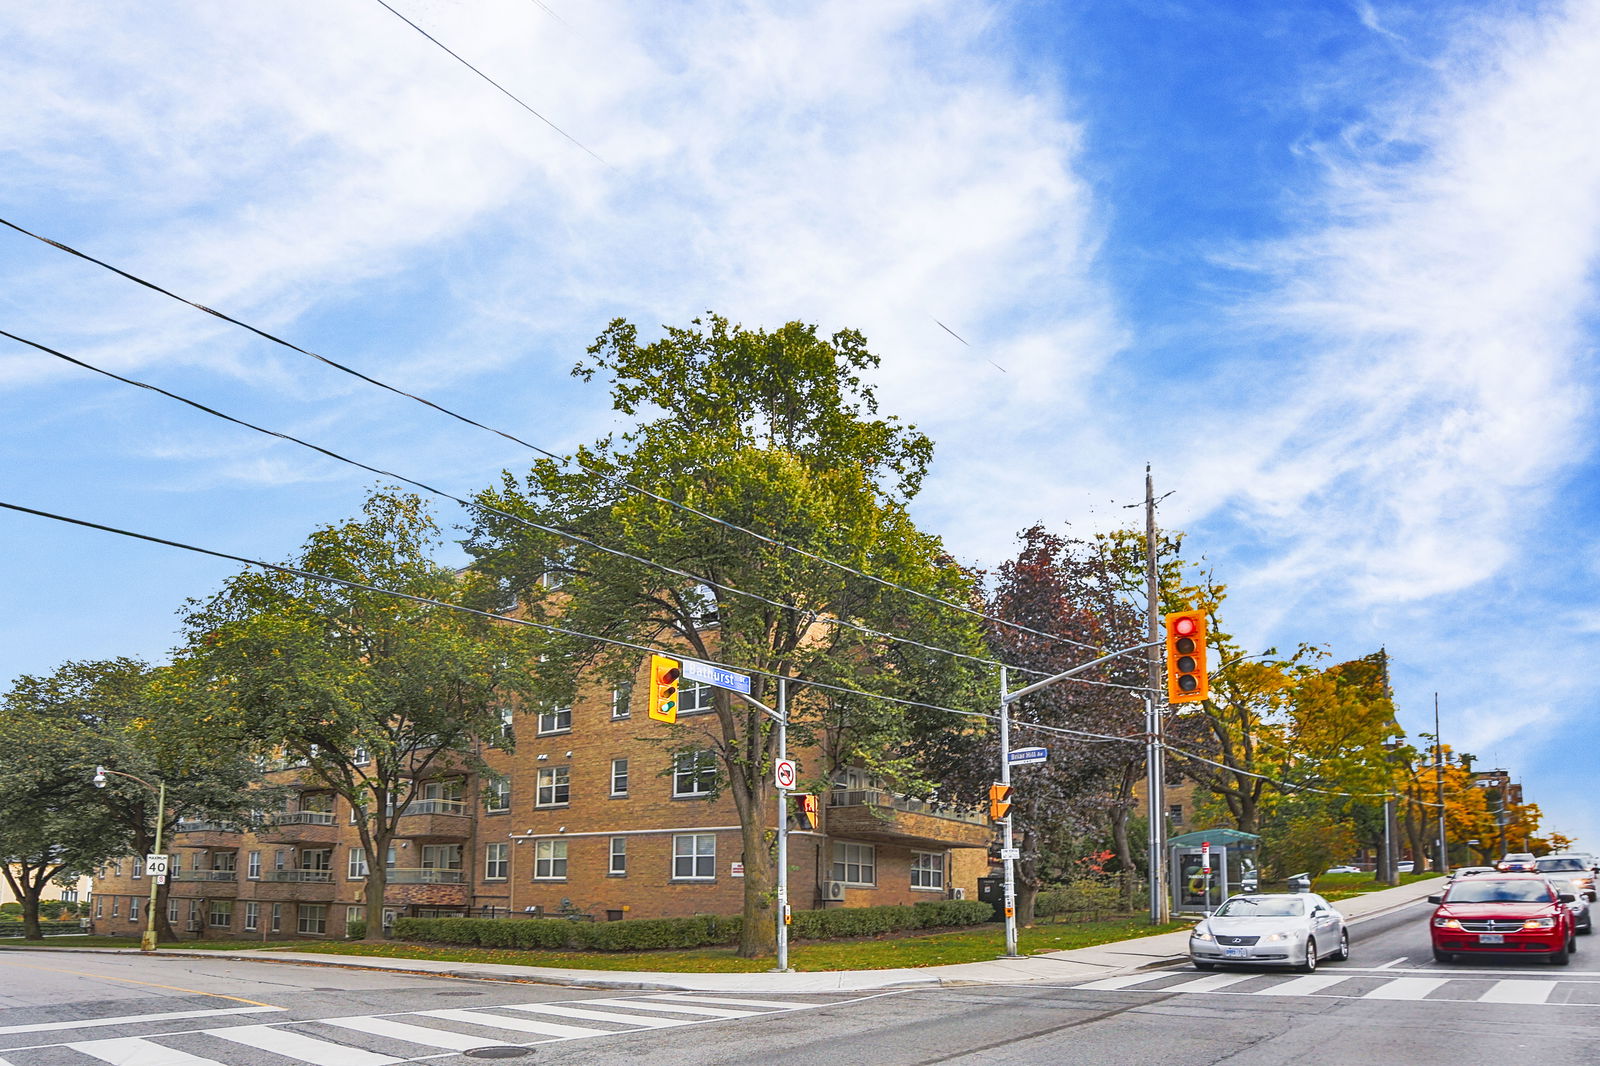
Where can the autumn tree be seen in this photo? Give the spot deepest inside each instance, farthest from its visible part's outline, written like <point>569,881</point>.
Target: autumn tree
<point>776,432</point>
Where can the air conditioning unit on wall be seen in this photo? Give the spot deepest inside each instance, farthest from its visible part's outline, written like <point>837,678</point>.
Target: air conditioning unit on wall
<point>958,893</point>
<point>833,891</point>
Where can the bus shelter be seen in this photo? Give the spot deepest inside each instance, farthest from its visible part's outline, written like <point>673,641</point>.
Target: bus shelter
<point>1197,888</point>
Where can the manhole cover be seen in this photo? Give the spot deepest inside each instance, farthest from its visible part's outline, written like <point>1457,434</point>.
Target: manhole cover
<point>462,992</point>
<point>501,1051</point>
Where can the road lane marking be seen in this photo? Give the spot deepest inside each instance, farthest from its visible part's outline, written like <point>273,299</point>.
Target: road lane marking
<point>131,981</point>
<point>673,1008</point>
<point>136,1051</point>
<point>519,1025</point>
<point>1394,962</point>
<point>595,1015</point>
<point>45,1027</point>
<point>1210,984</point>
<point>1407,988</point>
<point>416,1034</point>
<point>1304,986</point>
<point>292,1045</point>
<point>1112,984</point>
<point>1518,992</point>
<point>687,997</point>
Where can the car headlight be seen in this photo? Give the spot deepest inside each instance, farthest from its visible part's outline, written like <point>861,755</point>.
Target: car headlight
<point>1274,937</point>
<point>1539,923</point>
<point>1200,933</point>
<point>1446,923</point>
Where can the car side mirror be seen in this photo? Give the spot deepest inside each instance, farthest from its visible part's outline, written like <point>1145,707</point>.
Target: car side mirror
<point>1566,897</point>
<point>1435,899</point>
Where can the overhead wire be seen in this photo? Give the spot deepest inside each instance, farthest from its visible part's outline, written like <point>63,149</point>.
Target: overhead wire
<point>541,527</point>
<point>617,481</point>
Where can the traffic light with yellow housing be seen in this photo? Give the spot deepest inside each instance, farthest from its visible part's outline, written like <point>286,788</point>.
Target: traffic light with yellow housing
<point>1186,657</point>
<point>805,811</point>
<point>999,802</point>
<point>664,675</point>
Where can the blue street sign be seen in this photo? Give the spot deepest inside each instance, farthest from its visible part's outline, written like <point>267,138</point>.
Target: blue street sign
<point>1022,756</point>
<point>716,675</point>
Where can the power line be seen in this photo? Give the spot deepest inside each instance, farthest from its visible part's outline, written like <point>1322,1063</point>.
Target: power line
<point>509,94</point>
<point>619,482</point>
<point>553,530</point>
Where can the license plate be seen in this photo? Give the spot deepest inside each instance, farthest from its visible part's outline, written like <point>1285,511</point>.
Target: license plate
<point>1236,953</point>
<point>1491,938</point>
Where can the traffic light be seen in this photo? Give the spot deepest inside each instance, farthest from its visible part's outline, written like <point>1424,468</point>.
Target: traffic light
<point>1186,657</point>
<point>664,674</point>
<point>999,802</point>
<point>805,811</point>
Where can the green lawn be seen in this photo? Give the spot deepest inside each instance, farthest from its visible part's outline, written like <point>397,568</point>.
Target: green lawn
<point>1343,886</point>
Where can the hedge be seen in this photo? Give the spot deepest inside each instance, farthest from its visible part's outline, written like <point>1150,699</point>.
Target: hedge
<point>1084,898</point>
<point>647,934</point>
<point>9,927</point>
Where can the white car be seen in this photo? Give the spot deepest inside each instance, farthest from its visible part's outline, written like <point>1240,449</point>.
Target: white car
<point>1581,921</point>
<point>1298,929</point>
<point>1342,870</point>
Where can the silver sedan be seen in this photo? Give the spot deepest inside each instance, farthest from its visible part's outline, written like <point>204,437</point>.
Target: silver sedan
<point>1296,930</point>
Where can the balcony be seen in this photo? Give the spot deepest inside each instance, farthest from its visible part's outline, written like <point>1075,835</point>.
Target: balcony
<point>208,884</point>
<point>888,818</point>
<point>197,833</point>
<point>435,820</point>
<point>309,885</point>
<point>301,827</point>
<point>429,887</point>
<point>405,876</point>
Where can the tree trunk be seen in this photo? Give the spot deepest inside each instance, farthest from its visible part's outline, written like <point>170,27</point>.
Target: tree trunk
<point>165,934</point>
<point>758,933</point>
<point>30,912</point>
<point>377,882</point>
<point>1120,807</point>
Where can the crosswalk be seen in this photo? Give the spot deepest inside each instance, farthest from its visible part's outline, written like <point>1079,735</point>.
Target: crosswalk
<point>390,1039</point>
<point>1365,985</point>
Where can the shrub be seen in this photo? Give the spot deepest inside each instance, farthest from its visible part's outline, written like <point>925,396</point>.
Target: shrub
<point>1082,899</point>
<point>356,930</point>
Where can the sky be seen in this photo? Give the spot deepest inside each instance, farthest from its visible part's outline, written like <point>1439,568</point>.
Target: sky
<point>1328,267</point>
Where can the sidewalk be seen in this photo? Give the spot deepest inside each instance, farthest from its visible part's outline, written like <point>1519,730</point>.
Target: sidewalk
<point>1080,964</point>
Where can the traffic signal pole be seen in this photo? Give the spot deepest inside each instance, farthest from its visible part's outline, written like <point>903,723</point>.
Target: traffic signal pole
<point>1155,751</point>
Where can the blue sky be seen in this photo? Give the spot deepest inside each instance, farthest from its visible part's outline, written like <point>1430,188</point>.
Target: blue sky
<point>1329,266</point>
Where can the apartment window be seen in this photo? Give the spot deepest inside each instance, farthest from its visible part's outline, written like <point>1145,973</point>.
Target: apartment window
<point>316,859</point>
<point>172,910</point>
<point>506,732</point>
<point>226,861</point>
<point>138,869</point>
<point>854,864</point>
<point>496,862</point>
<point>175,861</point>
<point>116,906</point>
<point>555,720</point>
<point>619,777</point>
<point>441,856</point>
<point>221,916</point>
<point>619,857</point>
<point>116,868</point>
<point>252,868</point>
<point>694,773</point>
<point>1175,814</point>
<point>314,919</point>
<point>277,917</point>
<point>354,914</point>
<point>356,867</point>
<point>389,858</point>
<point>621,701</point>
<point>280,859</point>
<point>252,916</point>
<point>100,908</point>
<point>694,857</point>
<point>927,869</point>
<point>550,860</point>
<point>555,786</point>
<point>194,913</point>
<point>133,909</point>
<point>696,697</point>
<point>359,757</point>
<point>497,796</point>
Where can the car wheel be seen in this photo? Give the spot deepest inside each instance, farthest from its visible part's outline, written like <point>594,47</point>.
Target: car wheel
<point>1343,953</point>
<point>1587,927</point>
<point>1310,963</point>
<point>1563,956</point>
<point>1442,956</point>
<point>1203,965</point>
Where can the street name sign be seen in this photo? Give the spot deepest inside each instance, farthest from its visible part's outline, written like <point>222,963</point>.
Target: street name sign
<point>707,674</point>
<point>1023,756</point>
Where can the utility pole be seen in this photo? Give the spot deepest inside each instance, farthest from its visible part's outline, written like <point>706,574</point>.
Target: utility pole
<point>1008,847</point>
<point>1438,788</point>
<point>1155,755</point>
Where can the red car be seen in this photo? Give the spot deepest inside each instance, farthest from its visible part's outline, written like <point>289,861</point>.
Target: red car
<point>1503,914</point>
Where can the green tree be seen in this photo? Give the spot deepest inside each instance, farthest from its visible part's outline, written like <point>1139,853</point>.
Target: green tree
<point>775,432</point>
<point>372,694</point>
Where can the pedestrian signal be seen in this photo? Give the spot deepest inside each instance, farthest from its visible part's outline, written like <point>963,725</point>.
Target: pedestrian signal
<point>999,802</point>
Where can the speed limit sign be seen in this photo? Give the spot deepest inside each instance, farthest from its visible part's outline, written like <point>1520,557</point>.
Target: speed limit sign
<point>783,773</point>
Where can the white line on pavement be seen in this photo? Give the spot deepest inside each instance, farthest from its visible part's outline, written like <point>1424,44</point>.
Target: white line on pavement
<point>1407,988</point>
<point>1518,992</point>
<point>45,1027</point>
<point>136,1051</point>
<point>299,1046</point>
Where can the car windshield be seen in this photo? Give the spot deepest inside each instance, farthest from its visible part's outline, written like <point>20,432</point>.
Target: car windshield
<point>1547,866</point>
<point>1262,907</point>
<point>1482,890</point>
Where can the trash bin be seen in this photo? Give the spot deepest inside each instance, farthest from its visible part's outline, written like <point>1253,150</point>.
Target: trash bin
<point>992,890</point>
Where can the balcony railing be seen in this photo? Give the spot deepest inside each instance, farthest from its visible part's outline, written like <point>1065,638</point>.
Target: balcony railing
<point>875,797</point>
<point>406,876</point>
<point>205,875</point>
<point>186,825</point>
<point>434,806</point>
<point>303,818</point>
<point>317,876</point>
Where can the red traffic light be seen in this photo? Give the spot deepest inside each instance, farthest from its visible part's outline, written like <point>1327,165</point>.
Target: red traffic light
<point>1186,657</point>
<point>1184,625</point>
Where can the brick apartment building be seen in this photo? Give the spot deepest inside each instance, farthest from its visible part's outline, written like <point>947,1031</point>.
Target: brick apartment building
<point>592,814</point>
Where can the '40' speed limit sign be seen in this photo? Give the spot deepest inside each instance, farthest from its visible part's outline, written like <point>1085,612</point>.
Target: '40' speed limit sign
<point>783,773</point>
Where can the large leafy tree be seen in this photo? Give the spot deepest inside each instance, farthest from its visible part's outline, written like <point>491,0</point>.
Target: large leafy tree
<point>372,694</point>
<point>775,432</point>
<point>133,719</point>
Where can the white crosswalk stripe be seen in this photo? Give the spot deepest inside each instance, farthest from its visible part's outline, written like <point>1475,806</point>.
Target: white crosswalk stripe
<point>578,1013</point>
<point>1346,985</point>
<point>135,1051</point>
<point>295,1045</point>
<point>519,1025</point>
<point>416,1034</point>
<point>1407,988</point>
<point>1518,992</point>
<point>674,1008</point>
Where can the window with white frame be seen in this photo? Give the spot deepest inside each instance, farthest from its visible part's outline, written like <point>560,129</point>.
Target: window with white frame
<point>359,757</point>
<point>252,916</point>
<point>854,864</point>
<point>555,720</point>
<point>550,860</point>
<point>497,795</point>
<point>172,909</point>
<point>622,701</point>
<point>694,857</point>
<point>354,914</point>
<point>507,730</point>
<point>619,777</point>
<point>116,906</point>
<point>496,862</point>
<point>356,866</point>
<point>252,868</point>
<point>313,919</point>
<point>694,697</point>
<point>619,857</point>
<point>221,914</point>
<point>694,773</point>
<point>100,908</point>
<point>277,917</point>
<point>441,856</point>
<point>555,787</point>
<point>927,869</point>
<point>138,869</point>
<point>133,909</point>
<point>226,861</point>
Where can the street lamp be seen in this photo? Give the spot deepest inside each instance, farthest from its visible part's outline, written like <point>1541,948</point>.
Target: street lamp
<point>147,942</point>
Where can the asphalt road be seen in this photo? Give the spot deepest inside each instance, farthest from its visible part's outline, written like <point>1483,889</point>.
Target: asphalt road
<point>1390,1004</point>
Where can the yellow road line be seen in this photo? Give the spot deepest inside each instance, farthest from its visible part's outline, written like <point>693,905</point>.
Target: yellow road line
<point>131,981</point>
